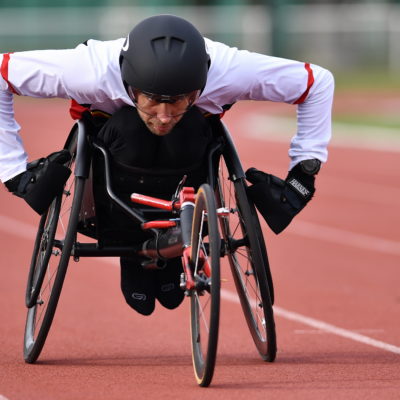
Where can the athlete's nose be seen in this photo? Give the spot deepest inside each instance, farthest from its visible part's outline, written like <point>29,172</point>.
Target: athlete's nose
<point>164,118</point>
<point>164,113</point>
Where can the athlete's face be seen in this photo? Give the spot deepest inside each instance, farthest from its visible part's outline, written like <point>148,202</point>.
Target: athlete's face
<point>161,121</point>
<point>161,113</point>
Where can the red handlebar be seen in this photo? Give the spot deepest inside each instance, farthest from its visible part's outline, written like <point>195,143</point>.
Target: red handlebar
<point>187,194</point>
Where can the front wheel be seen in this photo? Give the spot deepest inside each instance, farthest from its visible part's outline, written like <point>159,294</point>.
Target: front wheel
<point>205,297</point>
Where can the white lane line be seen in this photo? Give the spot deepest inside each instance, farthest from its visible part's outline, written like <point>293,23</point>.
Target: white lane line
<point>3,397</point>
<point>344,237</point>
<point>319,332</point>
<point>293,316</point>
<point>320,325</point>
<point>18,228</point>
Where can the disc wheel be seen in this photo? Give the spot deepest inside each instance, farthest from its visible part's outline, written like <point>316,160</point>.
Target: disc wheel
<point>205,297</point>
<point>52,249</point>
<point>248,260</point>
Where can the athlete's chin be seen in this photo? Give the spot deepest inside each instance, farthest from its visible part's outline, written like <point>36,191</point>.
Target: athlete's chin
<point>160,130</point>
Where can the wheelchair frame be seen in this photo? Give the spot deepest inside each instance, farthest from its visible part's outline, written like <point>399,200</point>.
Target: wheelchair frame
<point>249,266</point>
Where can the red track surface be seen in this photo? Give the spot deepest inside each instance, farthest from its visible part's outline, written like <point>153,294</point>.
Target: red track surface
<point>337,264</point>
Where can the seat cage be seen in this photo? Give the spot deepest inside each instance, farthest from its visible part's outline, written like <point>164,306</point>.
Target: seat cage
<point>87,144</point>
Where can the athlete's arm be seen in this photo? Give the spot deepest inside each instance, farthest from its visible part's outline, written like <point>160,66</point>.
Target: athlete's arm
<point>89,74</point>
<point>242,75</point>
<point>31,73</point>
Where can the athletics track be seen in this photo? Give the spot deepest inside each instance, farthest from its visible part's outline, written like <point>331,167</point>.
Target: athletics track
<point>336,273</point>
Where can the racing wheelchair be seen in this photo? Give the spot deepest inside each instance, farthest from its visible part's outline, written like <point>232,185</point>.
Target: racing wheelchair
<point>214,220</point>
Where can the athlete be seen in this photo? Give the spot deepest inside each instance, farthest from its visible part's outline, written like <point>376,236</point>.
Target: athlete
<point>159,85</point>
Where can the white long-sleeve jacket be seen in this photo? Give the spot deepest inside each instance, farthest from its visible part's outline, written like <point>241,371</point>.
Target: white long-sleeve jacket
<point>90,74</point>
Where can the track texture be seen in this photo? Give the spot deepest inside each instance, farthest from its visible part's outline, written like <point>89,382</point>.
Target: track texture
<point>338,263</point>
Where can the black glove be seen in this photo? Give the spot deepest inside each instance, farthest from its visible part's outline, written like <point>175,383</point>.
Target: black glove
<point>280,200</point>
<point>43,180</point>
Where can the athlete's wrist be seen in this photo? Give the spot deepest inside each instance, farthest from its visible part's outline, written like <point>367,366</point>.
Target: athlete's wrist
<point>311,166</point>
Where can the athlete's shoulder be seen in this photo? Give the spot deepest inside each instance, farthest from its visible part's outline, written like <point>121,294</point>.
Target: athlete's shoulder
<point>103,45</point>
<point>218,50</point>
<point>101,51</point>
<point>99,67</point>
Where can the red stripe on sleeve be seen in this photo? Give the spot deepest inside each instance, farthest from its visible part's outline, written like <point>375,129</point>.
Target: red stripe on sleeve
<point>4,71</point>
<point>309,84</point>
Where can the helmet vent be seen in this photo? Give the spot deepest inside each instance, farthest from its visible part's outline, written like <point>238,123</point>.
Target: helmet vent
<point>168,46</point>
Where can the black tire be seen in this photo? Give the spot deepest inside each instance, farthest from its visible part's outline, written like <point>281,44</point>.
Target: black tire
<point>53,245</point>
<point>205,298</point>
<point>245,247</point>
<point>42,251</point>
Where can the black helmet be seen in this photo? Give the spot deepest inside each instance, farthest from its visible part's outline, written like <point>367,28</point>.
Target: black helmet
<point>165,55</point>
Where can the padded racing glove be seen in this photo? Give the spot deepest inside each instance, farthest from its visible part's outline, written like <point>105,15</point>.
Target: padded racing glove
<point>279,201</point>
<point>43,180</point>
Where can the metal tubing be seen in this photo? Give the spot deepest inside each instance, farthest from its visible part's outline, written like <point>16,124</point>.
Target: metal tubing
<point>83,156</point>
<point>186,215</point>
<point>132,213</point>
<point>92,250</point>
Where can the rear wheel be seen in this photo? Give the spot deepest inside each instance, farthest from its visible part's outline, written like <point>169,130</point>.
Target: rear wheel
<point>248,260</point>
<point>205,297</point>
<point>53,245</point>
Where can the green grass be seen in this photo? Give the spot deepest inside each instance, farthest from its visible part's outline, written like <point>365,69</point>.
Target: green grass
<point>378,121</point>
<point>367,80</point>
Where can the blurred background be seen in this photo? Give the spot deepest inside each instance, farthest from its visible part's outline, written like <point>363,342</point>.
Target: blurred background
<point>359,40</point>
<point>346,35</point>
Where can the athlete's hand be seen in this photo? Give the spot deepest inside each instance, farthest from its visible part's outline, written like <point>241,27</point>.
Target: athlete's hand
<point>42,181</point>
<point>280,200</point>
